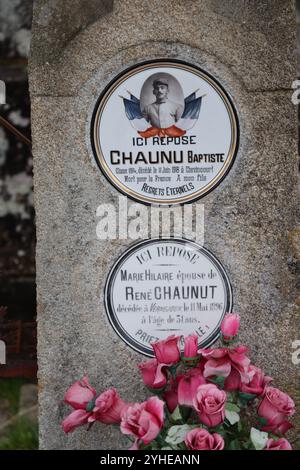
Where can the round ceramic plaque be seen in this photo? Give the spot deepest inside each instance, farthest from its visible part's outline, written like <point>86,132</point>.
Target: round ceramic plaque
<point>164,132</point>
<point>161,287</point>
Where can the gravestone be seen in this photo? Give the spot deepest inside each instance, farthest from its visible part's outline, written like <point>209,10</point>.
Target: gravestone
<point>248,48</point>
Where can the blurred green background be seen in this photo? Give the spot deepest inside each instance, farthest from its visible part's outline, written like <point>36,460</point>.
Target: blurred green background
<point>18,423</point>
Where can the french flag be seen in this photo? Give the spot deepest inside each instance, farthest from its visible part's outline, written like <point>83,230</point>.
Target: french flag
<point>190,115</point>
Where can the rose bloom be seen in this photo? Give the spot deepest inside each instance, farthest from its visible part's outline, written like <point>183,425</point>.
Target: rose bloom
<point>201,439</point>
<point>171,398</point>
<point>191,346</point>
<point>153,374</point>
<point>188,385</point>
<point>167,351</point>
<point>280,444</point>
<point>232,364</point>
<point>81,396</point>
<point>275,407</point>
<point>230,325</point>
<point>108,408</point>
<point>171,395</point>
<point>258,383</point>
<point>209,403</point>
<point>144,420</point>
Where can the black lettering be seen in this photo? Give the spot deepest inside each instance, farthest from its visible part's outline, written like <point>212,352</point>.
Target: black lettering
<point>112,158</point>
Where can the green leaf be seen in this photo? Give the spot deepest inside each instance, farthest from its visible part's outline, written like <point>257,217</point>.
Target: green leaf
<point>181,446</point>
<point>176,434</point>
<point>230,396</point>
<point>230,341</point>
<point>248,445</point>
<point>258,438</point>
<point>232,416</point>
<point>160,440</point>
<point>262,421</point>
<point>232,407</point>
<point>166,448</point>
<point>176,415</point>
<point>220,430</point>
<point>157,391</point>
<point>154,445</point>
<point>234,445</point>
<point>190,361</point>
<point>274,437</point>
<point>185,412</point>
<point>173,369</point>
<point>91,405</point>
<point>218,381</point>
<point>246,396</point>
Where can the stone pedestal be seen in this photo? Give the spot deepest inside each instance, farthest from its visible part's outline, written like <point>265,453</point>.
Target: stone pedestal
<point>250,218</point>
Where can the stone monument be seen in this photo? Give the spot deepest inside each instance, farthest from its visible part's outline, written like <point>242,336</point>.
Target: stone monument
<point>77,52</point>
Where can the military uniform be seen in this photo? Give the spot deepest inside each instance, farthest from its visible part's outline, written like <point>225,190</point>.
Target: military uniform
<point>163,115</point>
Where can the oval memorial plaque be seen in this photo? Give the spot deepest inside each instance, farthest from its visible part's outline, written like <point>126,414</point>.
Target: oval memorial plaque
<point>161,287</point>
<point>164,132</point>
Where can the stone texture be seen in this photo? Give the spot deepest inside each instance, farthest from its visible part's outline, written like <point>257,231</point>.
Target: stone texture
<point>251,216</point>
<point>263,33</point>
<point>298,36</point>
<point>57,23</point>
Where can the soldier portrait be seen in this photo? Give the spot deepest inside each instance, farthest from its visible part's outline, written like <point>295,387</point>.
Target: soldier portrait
<point>162,101</point>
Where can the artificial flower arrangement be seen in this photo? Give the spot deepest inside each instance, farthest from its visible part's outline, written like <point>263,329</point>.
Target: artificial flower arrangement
<point>207,399</point>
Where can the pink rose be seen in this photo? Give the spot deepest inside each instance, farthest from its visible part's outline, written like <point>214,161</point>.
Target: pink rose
<point>135,446</point>
<point>230,325</point>
<point>258,383</point>
<point>75,419</point>
<point>171,394</point>
<point>153,374</point>
<point>233,381</point>
<point>201,439</point>
<point>223,361</point>
<point>209,403</point>
<point>108,408</point>
<point>280,444</point>
<point>281,428</point>
<point>167,351</point>
<point>81,396</point>
<point>188,386</point>
<point>144,420</point>
<point>191,346</point>
<point>275,407</point>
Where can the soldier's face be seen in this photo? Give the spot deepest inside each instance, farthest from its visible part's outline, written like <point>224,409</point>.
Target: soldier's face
<point>160,91</point>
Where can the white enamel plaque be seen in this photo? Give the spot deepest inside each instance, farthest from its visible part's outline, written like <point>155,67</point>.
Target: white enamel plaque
<point>161,287</point>
<point>164,132</point>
